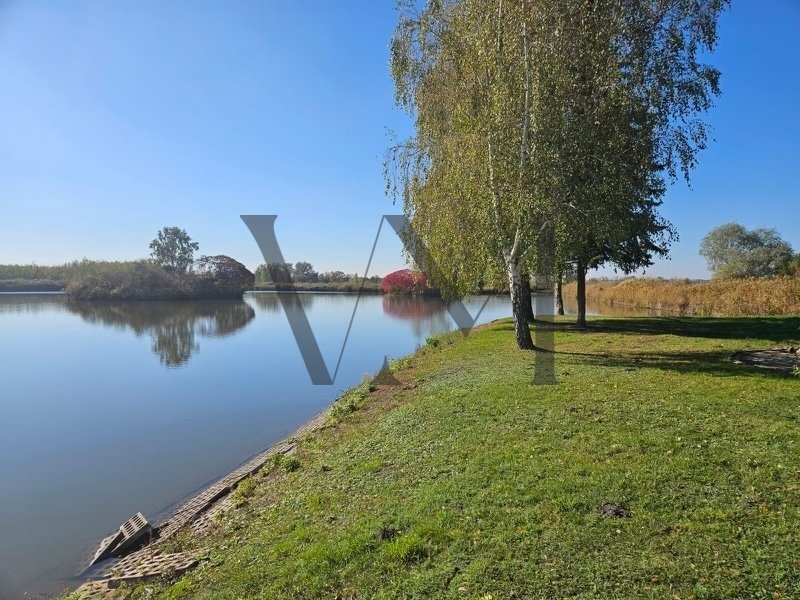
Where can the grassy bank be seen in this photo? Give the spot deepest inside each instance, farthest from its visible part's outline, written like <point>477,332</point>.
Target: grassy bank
<point>723,297</point>
<point>468,481</point>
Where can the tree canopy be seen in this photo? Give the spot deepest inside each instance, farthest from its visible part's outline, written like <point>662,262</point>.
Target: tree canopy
<point>173,249</point>
<point>545,129</point>
<point>733,251</point>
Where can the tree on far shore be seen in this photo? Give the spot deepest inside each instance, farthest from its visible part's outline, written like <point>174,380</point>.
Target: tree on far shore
<point>733,251</point>
<point>173,249</point>
<point>274,273</point>
<point>303,272</point>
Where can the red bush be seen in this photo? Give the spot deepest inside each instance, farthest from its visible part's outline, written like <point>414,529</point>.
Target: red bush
<point>404,281</point>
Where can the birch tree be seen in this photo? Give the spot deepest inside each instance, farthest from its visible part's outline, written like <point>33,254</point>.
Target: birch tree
<point>473,74</point>
<point>556,117</point>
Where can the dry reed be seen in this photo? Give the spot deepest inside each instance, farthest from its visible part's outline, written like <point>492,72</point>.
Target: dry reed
<point>719,297</point>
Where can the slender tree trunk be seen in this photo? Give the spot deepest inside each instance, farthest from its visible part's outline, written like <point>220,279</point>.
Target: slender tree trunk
<point>560,294</point>
<point>581,273</point>
<point>527,299</point>
<point>520,306</point>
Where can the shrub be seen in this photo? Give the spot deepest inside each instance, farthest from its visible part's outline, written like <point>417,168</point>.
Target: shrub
<point>290,464</point>
<point>404,281</point>
<point>141,280</point>
<point>222,276</point>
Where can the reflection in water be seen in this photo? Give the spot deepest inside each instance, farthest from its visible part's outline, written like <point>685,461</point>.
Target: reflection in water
<point>424,314</point>
<point>30,304</point>
<point>174,327</point>
<point>273,302</point>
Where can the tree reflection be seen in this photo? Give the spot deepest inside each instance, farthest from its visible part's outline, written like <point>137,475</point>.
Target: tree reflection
<point>426,314</point>
<point>173,327</point>
<point>273,301</point>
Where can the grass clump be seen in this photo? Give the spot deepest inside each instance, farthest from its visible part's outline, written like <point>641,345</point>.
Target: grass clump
<point>406,548</point>
<point>351,401</point>
<point>400,364</point>
<point>432,341</point>
<point>291,464</point>
<point>288,464</point>
<point>244,490</point>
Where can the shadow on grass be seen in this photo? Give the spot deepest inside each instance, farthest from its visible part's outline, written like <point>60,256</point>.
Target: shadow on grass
<point>774,329</point>
<point>770,329</point>
<point>703,362</point>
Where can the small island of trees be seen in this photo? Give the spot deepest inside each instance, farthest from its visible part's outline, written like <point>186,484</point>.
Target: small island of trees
<point>171,273</point>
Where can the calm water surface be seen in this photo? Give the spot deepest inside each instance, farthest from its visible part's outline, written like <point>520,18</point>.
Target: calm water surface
<point>107,409</point>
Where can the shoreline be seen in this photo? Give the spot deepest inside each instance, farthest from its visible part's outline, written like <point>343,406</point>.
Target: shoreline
<point>195,511</point>
<point>300,288</point>
<point>430,481</point>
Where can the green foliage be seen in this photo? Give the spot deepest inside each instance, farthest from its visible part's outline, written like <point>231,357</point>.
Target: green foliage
<point>793,267</point>
<point>432,341</point>
<point>543,132</point>
<point>732,252</point>
<point>273,273</point>
<point>30,285</point>
<point>400,364</point>
<point>140,280</point>
<point>173,249</point>
<point>406,548</point>
<point>289,464</point>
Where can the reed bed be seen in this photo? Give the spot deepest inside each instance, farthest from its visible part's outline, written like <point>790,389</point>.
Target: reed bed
<point>720,297</point>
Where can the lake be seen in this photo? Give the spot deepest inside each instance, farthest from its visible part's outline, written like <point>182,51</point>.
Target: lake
<point>108,409</point>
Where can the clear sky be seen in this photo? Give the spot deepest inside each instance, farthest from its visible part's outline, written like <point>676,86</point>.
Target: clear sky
<point>117,118</point>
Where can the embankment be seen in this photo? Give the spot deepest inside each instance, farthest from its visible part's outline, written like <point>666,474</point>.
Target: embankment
<point>654,468</point>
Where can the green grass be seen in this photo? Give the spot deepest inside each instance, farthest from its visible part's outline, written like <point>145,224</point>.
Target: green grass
<point>468,481</point>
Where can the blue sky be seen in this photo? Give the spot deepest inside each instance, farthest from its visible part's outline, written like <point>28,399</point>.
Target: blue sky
<point>117,118</point>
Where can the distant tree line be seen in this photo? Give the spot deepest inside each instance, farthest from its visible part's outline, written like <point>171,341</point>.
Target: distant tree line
<point>302,273</point>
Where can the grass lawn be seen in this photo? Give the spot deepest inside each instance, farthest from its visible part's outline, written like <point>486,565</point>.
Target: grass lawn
<point>468,481</point>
